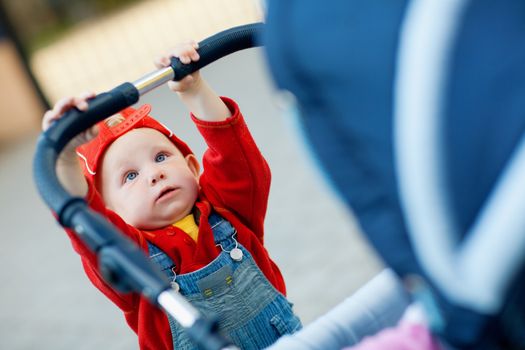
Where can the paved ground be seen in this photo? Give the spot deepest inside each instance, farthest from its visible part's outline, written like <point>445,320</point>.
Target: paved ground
<point>47,303</point>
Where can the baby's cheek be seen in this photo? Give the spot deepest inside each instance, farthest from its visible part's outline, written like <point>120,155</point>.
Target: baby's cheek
<point>134,214</point>
<point>142,215</point>
<point>196,188</point>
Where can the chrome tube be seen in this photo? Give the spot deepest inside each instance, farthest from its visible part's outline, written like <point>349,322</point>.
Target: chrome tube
<point>154,79</point>
<point>178,307</point>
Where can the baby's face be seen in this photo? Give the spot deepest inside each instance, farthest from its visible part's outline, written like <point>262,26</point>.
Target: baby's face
<point>147,181</point>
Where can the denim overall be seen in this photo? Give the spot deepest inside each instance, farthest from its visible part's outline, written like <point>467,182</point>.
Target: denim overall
<point>251,312</point>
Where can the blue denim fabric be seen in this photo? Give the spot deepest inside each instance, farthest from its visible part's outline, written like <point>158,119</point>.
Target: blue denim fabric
<point>250,311</point>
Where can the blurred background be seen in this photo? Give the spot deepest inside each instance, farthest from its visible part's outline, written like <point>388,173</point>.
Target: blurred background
<point>54,48</point>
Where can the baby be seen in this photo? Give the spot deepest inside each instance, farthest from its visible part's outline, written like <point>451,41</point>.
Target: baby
<point>205,231</point>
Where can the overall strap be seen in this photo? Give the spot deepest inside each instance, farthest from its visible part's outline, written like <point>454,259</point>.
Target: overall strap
<point>223,232</point>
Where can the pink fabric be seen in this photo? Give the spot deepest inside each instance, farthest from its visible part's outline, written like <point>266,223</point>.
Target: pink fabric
<point>402,337</point>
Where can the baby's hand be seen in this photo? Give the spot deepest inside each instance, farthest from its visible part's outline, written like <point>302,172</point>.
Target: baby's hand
<point>186,53</point>
<point>58,111</point>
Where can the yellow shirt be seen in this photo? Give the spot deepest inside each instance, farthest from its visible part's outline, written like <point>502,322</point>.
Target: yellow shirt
<point>188,225</point>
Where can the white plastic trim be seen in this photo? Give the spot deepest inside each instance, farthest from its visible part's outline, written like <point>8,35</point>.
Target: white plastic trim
<point>474,273</point>
<point>86,162</point>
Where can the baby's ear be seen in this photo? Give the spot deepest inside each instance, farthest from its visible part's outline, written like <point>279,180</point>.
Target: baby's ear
<point>193,164</point>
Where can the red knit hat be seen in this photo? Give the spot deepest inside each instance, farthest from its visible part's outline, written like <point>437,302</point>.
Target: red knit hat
<point>91,153</point>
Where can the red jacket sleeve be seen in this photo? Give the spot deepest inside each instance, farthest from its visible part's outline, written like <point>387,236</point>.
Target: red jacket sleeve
<point>89,259</point>
<point>236,176</point>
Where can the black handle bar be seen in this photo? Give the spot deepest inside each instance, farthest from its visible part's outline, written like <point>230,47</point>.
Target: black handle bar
<point>122,263</point>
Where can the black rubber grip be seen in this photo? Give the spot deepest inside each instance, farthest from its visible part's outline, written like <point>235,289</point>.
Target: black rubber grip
<point>219,45</point>
<point>53,141</point>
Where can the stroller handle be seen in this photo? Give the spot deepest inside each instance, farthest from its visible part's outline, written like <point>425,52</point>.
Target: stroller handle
<point>122,262</point>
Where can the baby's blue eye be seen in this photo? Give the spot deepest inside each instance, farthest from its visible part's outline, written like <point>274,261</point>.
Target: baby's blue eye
<point>160,157</point>
<point>131,175</point>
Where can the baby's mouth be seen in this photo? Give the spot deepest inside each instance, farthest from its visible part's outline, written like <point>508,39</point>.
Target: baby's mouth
<point>166,193</point>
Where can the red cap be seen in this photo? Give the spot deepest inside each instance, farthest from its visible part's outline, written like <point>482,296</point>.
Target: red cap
<point>91,152</point>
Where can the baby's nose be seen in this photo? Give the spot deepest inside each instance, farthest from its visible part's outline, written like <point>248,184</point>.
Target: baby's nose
<point>156,177</point>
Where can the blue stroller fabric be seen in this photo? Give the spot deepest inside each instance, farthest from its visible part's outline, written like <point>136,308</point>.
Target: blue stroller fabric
<point>339,59</point>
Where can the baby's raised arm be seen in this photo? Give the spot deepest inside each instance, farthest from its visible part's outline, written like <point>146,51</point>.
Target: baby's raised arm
<point>68,167</point>
<point>194,92</point>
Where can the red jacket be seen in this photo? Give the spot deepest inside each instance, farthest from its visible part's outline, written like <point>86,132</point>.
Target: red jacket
<point>235,183</point>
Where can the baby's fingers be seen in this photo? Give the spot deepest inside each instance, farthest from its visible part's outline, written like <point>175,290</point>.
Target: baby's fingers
<point>63,105</point>
<point>81,101</point>
<point>187,52</point>
<point>54,114</point>
<point>49,117</point>
<point>181,85</point>
<point>67,103</point>
<point>162,61</point>
<point>195,54</point>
